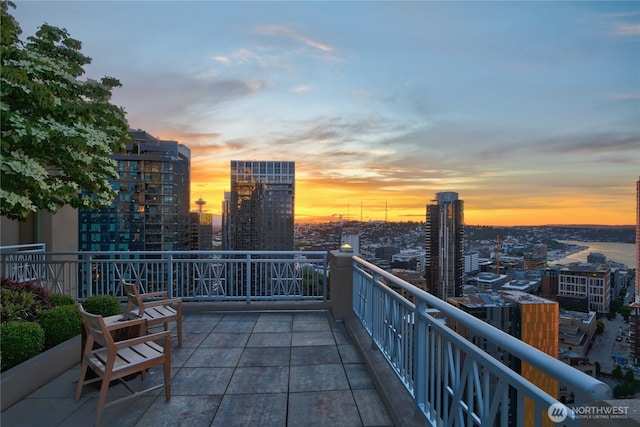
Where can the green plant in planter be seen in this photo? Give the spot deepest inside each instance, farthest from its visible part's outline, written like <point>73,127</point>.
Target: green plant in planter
<point>60,324</point>
<point>20,341</point>
<point>18,306</point>
<point>41,294</point>
<point>104,305</point>
<point>62,299</point>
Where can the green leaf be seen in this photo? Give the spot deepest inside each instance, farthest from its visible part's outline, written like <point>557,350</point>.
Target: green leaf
<point>58,131</point>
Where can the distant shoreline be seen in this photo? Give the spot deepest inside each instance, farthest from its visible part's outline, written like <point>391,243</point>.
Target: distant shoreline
<point>569,250</point>
<point>615,252</point>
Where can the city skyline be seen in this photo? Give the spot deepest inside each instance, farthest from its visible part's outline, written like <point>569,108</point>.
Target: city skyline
<point>529,110</point>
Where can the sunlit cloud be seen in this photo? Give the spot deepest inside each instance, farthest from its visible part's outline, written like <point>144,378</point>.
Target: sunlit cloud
<point>621,24</point>
<point>623,96</point>
<point>305,88</point>
<point>284,31</point>
<point>625,29</point>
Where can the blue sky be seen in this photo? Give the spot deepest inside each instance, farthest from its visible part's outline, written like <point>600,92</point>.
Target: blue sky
<point>529,110</point>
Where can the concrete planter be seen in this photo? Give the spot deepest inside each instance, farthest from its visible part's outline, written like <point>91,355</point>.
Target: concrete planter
<point>25,378</point>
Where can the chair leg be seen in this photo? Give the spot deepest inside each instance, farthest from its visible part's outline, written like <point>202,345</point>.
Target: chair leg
<point>83,373</point>
<point>179,324</point>
<point>103,395</point>
<point>167,379</point>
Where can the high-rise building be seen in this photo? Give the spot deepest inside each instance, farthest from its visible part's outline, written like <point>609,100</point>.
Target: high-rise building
<point>531,319</point>
<point>259,211</point>
<point>444,234</point>
<point>151,210</point>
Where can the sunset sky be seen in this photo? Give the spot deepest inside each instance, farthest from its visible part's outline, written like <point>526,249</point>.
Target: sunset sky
<point>529,110</point>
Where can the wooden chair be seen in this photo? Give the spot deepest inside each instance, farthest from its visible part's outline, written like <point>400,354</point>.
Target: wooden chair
<point>117,359</point>
<point>156,307</point>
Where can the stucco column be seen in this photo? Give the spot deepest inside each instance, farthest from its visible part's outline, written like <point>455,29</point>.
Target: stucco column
<point>341,282</point>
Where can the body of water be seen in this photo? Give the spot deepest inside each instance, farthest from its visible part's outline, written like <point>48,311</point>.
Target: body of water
<point>624,253</point>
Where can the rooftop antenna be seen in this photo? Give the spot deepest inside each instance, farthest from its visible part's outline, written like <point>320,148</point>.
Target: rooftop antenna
<point>385,211</point>
<point>498,255</point>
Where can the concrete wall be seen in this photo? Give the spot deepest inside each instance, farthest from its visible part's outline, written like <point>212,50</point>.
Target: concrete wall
<point>58,231</point>
<point>15,232</point>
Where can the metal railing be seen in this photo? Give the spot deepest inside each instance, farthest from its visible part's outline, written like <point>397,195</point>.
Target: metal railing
<point>452,381</point>
<point>191,275</point>
<point>18,261</point>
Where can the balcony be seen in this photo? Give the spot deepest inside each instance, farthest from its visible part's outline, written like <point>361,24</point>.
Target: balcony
<point>270,340</point>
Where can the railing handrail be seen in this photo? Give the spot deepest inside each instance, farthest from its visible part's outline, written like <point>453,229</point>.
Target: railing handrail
<point>25,248</point>
<point>575,379</point>
<point>190,252</point>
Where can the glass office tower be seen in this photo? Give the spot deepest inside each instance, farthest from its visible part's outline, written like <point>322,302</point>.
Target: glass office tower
<point>151,210</point>
<point>259,211</point>
<point>444,235</point>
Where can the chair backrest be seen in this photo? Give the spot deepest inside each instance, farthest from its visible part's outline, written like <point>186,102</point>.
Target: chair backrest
<point>133,295</point>
<point>95,327</point>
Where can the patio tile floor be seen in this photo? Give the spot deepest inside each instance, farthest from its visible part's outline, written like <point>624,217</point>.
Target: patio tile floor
<point>234,369</point>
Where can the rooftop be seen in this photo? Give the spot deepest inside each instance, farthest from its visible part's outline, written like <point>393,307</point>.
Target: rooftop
<point>271,368</point>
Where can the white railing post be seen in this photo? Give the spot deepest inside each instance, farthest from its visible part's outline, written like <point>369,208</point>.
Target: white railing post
<point>89,276</point>
<point>421,377</point>
<point>170,275</point>
<point>378,308</point>
<point>248,280</point>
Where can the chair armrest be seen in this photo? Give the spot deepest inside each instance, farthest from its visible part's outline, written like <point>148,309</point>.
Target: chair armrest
<point>120,324</point>
<point>142,339</point>
<point>161,294</point>
<point>163,302</point>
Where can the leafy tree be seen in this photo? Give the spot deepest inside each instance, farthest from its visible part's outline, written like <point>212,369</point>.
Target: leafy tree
<point>628,376</point>
<point>599,326</point>
<point>626,389</point>
<point>619,391</point>
<point>625,311</point>
<point>58,132</point>
<point>617,372</point>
